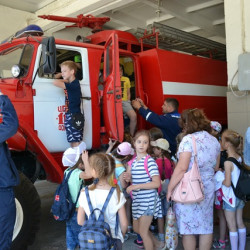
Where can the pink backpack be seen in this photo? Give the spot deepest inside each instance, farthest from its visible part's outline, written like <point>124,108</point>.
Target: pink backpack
<point>145,167</point>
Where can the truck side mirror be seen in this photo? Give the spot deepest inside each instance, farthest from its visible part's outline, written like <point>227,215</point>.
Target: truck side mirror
<point>49,55</point>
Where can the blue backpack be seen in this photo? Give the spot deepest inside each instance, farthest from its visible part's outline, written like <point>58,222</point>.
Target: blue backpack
<point>96,233</point>
<point>63,207</point>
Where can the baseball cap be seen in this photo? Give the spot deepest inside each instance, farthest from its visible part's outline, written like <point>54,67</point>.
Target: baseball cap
<point>125,148</point>
<point>77,59</point>
<point>71,155</point>
<point>161,143</point>
<point>215,126</point>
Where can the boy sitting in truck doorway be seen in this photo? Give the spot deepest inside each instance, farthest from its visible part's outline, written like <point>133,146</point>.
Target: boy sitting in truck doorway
<point>72,91</point>
<point>126,103</point>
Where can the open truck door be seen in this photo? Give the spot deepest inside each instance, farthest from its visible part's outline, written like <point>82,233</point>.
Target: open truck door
<point>112,94</point>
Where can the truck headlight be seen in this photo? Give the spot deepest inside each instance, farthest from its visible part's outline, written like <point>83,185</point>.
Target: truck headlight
<point>16,70</point>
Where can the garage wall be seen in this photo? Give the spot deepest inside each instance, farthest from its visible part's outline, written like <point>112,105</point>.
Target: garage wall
<point>237,20</point>
<point>12,20</point>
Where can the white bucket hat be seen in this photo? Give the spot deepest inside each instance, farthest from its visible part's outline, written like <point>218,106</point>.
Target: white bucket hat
<point>71,155</point>
<point>161,143</point>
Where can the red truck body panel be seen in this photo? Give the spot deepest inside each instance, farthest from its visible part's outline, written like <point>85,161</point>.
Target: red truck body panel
<point>161,69</point>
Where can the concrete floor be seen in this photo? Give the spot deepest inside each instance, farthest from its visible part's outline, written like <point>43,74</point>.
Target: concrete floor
<point>52,233</point>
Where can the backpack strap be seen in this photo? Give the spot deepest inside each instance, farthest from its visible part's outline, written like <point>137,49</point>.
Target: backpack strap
<point>105,206</point>
<point>89,203</point>
<point>66,177</point>
<point>108,199</point>
<point>78,194</point>
<point>146,165</point>
<point>101,216</point>
<point>233,160</point>
<point>116,224</point>
<point>131,161</point>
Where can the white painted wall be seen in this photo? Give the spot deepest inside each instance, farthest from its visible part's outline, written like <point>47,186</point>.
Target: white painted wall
<point>12,20</point>
<point>237,22</point>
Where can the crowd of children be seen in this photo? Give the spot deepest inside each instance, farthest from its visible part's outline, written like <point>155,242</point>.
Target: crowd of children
<point>140,173</point>
<point>140,169</point>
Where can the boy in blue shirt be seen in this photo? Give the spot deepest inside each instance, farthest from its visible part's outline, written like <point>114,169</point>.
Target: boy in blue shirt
<point>72,92</point>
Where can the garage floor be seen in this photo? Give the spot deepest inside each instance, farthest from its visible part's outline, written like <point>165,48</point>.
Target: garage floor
<point>52,233</point>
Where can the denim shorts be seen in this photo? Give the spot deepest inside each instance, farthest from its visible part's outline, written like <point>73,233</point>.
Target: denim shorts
<point>239,204</point>
<point>148,212</point>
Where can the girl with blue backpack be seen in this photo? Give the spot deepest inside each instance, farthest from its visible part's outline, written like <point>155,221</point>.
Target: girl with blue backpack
<point>101,201</point>
<point>72,159</point>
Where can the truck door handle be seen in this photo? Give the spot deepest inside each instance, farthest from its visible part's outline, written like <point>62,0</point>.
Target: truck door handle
<point>110,92</point>
<point>86,98</point>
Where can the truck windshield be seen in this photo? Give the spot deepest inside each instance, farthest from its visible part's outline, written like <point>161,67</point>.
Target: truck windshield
<point>20,54</point>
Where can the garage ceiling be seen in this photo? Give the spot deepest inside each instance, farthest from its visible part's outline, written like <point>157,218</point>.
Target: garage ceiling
<point>201,17</point>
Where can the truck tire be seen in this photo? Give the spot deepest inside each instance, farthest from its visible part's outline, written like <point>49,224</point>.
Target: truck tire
<point>28,211</point>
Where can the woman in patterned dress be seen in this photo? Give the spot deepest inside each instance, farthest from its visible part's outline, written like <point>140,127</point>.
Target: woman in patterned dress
<point>197,218</point>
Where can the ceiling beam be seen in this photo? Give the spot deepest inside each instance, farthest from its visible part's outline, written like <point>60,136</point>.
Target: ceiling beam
<point>205,5</point>
<point>219,21</point>
<point>161,18</point>
<point>178,9</point>
<point>191,29</point>
<point>125,19</point>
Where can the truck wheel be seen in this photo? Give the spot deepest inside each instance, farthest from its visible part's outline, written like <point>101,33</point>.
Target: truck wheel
<point>28,211</point>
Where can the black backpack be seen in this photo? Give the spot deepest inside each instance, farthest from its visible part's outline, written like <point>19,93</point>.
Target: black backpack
<point>96,233</point>
<point>242,189</point>
<point>63,207</point>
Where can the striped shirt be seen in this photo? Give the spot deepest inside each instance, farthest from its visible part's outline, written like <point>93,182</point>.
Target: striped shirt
<point>144,199</point>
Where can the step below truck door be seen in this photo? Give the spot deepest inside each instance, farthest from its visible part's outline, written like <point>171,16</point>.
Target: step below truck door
<point>112,94</point>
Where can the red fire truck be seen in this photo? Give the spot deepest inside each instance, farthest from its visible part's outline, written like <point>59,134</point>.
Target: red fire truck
<point>28,62</point>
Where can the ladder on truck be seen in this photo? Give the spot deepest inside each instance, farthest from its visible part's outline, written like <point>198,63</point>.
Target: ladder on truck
<point>169,38</point>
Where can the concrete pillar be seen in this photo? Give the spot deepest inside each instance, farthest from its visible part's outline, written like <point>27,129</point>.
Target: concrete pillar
<point>237,23</point>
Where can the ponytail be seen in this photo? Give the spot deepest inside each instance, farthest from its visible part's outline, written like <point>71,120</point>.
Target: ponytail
<point>93,186</point>
<point>113,182</point>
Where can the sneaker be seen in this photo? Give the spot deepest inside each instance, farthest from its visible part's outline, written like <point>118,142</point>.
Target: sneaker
<point>139,244</point>
<point>126,237</point>
<point>131,232</point>
<point>219,244</point>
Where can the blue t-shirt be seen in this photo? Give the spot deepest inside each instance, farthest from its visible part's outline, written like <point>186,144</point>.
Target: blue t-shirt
<point>73,96</point>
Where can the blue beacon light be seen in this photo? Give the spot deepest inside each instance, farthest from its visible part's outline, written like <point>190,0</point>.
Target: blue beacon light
<point>32,29</point>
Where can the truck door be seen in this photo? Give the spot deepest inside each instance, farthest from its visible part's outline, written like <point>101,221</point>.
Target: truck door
<point>112,94</point>
<point>49,102</point>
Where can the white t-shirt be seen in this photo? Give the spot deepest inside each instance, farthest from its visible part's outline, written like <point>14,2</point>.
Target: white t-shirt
<point>97,198</point>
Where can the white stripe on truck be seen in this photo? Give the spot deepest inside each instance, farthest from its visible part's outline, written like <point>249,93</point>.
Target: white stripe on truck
<point>182,88</point>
